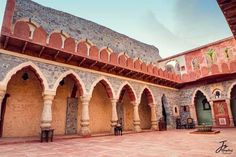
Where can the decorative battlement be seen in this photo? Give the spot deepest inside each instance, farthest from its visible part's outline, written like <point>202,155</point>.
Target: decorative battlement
<point>32,39</point>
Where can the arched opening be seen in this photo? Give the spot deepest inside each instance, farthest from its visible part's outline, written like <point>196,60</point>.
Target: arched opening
<point>203,109</point>
<point>145,109</point>
<point>165,111</point>
<point>100,108</point>
<point>233,103</point>
<point>66,108</point>
<point>125,107</point>
<point>23,109</point>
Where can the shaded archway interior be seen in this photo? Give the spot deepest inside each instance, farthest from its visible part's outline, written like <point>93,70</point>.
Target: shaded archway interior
<point>164,104</point>
<point>23,108</point>
<point>145,109</point>
<point>66,108</point>
<point>233,103</point>
<point>125,107</point>
<point>203,109</point>
<point>100,108</point>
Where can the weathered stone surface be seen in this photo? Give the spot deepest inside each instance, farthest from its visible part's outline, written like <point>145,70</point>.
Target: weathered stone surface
<point>79,28</point>
<point>53,72</point>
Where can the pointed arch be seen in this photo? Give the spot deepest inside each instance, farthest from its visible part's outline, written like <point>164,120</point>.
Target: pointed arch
<point>30,64</point>
<point>149,94</point>
<point>130,89</point>
<point>195,93</point>
<point>77,78</point>
<point>106,84</point>
<point>230,90</point>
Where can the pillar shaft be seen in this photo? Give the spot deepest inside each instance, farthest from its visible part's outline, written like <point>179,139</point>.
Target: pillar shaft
<point>46,118</point>
<point>193,113</point>
<point>153,117</point>
<point>85,131</point>
<point>136,119</point>
<point>114,117</point>
<point>231,119</point>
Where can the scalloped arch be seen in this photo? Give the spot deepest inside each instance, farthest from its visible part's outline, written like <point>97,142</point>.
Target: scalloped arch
<point>134,98</point>
<point>13,71</point>
<point>73,73</point>
<point>106,83</point>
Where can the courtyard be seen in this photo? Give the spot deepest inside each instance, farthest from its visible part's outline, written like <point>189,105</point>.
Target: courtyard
<point>172,143</point>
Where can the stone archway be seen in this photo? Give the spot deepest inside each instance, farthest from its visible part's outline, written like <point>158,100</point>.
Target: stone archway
<point>24,107</point>
<point>66,108</point>
<point>233,103</point>
<point>145,109</point>
<point>125,109</point>
<point>100,108</point>
<point>203,108</point>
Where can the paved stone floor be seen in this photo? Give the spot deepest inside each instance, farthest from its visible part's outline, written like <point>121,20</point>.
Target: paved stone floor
<point>174,143</point>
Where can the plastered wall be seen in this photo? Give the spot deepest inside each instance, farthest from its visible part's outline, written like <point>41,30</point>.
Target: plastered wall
<point>100,110</point>
<point>24,106</point>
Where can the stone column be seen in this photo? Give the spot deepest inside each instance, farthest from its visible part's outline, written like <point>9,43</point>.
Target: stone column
<point>136,119</point>
<point>85,131</point>
<point>46,118</point>
<point>2,94</point>
<point>231,119</point>
<point>193,113</point>
<point>114,116</point>
<point>212,113</point>
<point>153,117</point>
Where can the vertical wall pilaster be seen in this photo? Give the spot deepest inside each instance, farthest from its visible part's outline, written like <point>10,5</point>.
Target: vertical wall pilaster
<point>231,119</point>
<point>213,114</point>
<point>193,113</point>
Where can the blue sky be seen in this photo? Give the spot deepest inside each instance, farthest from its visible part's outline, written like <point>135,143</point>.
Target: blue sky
<point>172,26</point>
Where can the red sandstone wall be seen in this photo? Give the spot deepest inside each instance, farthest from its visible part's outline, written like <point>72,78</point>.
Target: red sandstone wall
<point>219,56</point>
<point>24,106</point>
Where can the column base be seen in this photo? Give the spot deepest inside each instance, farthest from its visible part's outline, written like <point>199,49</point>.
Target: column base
<point>113,125</point>
<point>85,131</point>
<point>154,125</point>
<point>137,127</point>
<point>231,123</point>
<point>45,125</point>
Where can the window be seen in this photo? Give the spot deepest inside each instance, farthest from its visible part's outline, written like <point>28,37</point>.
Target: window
<point>176,111</point>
